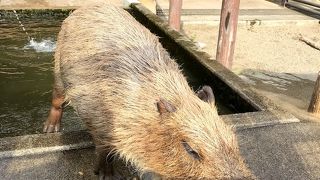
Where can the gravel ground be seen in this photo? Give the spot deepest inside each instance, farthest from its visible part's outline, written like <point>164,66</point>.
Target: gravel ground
<point>272,49</point>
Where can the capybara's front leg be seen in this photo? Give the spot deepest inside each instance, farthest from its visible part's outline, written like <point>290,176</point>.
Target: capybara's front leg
<point>104,166</point>
<point>54,118</point>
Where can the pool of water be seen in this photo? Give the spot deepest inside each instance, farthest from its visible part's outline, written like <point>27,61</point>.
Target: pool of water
<point>26,76</point>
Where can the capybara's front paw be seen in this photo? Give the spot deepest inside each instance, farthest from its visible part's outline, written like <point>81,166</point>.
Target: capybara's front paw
<point>104,174</point>
<point>53,122</point>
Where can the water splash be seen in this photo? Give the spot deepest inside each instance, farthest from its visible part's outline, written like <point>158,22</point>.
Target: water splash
<point>21,25</point>
<point>45,45</point>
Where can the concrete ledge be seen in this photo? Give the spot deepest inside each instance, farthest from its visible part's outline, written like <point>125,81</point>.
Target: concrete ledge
<point>51,4</point>
<point>252,120</point>
<point>36,13</point>
<point>44,143</point>
<point>257,20</point>
<point>247,17</point>
<point>242,12</point>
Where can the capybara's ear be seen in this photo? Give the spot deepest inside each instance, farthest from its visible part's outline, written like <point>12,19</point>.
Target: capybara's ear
<point>206,94</point>
<point>164,106</point>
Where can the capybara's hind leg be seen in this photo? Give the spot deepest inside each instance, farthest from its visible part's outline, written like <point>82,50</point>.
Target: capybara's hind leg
<point>54,118</point>
<point>58,98</point>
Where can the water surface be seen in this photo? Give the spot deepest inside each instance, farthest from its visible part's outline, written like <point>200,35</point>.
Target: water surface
<point>26,76</point>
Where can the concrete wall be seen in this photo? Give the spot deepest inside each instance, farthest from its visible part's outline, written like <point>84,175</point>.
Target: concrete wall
<point>45,4</point>
<point>64,4</point>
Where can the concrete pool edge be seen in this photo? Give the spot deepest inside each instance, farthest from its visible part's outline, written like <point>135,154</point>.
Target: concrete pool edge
<point>35,13</point>
<point>44,143</point>
<point>34,144</point>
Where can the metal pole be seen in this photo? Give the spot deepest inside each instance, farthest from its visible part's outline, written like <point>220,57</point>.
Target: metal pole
<point>302,8</point>
<point>227,32</point>
<point>175,7</point>
<point>283,2</point>
<point>308,3</point>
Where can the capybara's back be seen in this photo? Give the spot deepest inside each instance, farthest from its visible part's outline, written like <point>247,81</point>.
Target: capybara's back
<point>136,102</point>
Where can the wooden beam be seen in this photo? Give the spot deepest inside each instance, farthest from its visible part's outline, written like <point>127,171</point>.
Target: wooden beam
<point>175,7</point>
<point>314,106</point>
<point>227,32</point>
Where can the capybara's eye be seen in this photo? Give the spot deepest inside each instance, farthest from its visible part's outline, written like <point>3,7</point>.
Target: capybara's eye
<point>190,151</point>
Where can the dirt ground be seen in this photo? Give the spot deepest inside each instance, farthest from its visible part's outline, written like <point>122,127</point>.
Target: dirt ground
<point>272,59</point>
<point>273,49</point>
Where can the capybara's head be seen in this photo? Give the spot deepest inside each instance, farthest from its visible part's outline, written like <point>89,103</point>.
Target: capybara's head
<point>189,140</point>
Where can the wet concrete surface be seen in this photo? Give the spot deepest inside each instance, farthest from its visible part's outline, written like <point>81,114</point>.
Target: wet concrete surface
<point>290,91</point>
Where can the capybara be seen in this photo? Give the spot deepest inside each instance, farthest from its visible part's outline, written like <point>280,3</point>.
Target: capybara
<point>136,102</point>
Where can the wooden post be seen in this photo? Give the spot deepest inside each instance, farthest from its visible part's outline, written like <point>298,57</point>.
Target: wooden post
<point>314,106</point>
<point>175,7</point>
<point>227,32</point>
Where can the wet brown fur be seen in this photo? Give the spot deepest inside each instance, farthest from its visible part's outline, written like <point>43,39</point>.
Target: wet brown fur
<point>114,71</point>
